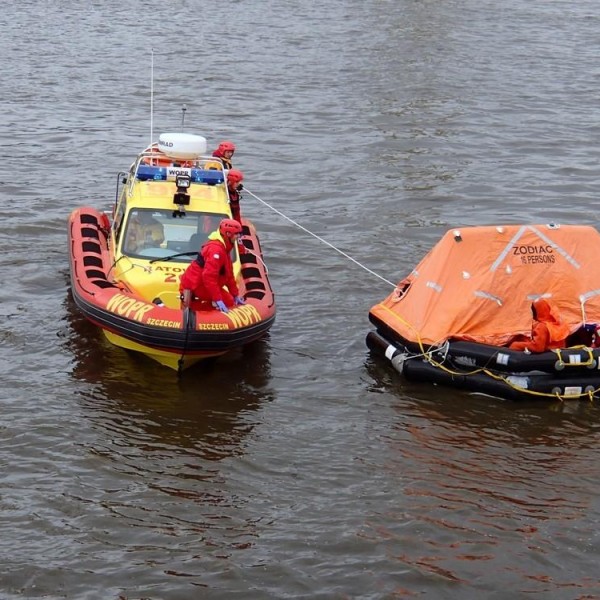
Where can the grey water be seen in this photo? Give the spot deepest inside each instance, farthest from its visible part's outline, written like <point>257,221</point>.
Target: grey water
<point>301,467</point>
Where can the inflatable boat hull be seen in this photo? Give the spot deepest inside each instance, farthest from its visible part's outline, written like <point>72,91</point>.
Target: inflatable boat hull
<point>175,337</point>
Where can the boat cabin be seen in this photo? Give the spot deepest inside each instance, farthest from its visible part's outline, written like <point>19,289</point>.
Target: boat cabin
<point>166,207</point>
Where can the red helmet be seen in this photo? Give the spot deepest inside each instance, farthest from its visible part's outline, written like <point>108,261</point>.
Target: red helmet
<point>234,177</point>
<point>226,146</point>
<point>229,227</point>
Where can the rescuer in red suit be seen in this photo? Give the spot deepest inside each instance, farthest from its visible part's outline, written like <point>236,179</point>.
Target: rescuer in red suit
<point>225,152</point>
<point>206,276</point>
<point>234,189</point>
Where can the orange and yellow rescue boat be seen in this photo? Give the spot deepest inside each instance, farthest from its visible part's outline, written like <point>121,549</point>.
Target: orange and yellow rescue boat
<point>125,269</point>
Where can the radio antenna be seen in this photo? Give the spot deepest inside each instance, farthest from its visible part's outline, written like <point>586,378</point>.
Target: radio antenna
<point>183,109</point>
<point>151,95</point>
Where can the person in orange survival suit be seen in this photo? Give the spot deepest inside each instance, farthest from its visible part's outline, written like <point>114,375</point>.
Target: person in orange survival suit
<point>225,152</point>
<point>234,189</point>
<point>206,276</point>
<point>548,330</point>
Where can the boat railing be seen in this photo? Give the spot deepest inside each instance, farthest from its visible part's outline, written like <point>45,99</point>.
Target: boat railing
<point>202,169</point>
<point>160,159</point>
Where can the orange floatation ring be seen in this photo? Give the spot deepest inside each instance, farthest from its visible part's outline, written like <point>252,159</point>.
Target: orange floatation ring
<point>158,158</point>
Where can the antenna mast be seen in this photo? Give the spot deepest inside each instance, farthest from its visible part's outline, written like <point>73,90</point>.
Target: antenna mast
<point>151,95</point>
<point>183,109</point>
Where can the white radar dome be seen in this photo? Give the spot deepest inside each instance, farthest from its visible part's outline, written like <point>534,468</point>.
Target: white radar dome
<point>182,145</point>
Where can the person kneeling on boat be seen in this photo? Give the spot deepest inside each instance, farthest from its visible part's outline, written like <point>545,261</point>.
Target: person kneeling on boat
<point>548,330</point>
<point>212,270</point>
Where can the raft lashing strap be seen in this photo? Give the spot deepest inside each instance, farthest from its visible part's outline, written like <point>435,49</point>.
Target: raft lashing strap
<point>575,359</point>
<point>208,176</point>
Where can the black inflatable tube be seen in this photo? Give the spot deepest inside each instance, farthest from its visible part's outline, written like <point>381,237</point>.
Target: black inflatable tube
<point>573,362</point>
<point>378,345</point>
<point>414,368</point>
<point>550,386</point>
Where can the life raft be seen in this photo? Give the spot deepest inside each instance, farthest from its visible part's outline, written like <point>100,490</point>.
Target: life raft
<point>452,318</point>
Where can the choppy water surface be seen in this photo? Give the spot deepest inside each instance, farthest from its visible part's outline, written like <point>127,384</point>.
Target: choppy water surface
<point>300,467</point>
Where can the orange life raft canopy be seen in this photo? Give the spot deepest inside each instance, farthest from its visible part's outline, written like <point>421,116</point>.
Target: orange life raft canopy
<point>477,284</point>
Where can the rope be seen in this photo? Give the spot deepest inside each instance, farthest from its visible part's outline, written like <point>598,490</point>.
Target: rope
<point>248,251</point>
<point>428,354</point>
<point>320,239</point>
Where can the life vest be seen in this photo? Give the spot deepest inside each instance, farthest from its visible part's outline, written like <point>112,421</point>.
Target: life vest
<point>202,276</point>
<point>226,161</point>
<point>201,261</point>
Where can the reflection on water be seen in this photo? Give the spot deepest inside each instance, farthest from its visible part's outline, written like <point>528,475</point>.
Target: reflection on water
<point>475,480</point>
<point>152,424</point>
<point>202,411</point>
<point>519,423</point>
<point>146,483</point>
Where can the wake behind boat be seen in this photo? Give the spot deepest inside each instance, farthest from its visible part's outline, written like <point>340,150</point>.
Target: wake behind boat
<point>126,269</point>
<point>452,319</point>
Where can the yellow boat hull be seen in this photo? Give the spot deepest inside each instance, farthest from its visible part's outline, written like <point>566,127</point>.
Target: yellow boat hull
<point>168,359</point>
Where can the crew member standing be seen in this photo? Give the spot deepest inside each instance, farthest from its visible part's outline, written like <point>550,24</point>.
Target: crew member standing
<point>234,189</point>
<point>225,152</point>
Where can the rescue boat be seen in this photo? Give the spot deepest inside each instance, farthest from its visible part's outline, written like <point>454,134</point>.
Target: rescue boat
<point>129,286</point>
<point>450,321</point>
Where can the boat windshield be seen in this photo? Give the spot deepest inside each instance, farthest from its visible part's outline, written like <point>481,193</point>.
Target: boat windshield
<point>157,233</point>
